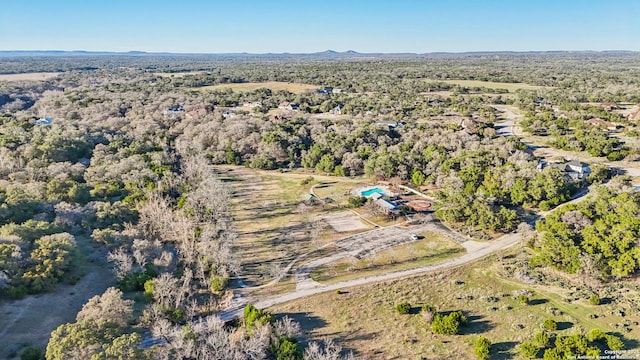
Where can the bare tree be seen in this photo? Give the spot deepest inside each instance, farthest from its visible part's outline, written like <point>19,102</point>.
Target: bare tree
<point>330,351</point>
<point>123,262</point>
<point>109,306</point>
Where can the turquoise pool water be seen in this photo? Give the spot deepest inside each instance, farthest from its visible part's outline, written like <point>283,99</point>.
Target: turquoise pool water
<point>372,191</point>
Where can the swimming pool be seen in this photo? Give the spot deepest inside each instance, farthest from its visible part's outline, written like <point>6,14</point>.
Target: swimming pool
<point>372,191</point>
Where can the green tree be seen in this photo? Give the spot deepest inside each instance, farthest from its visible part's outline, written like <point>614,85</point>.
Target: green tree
<point>286,348</point>
<point>482,348</point>
<point>542,339</point>
<point>448,324</point>
<point>550,324</point>
<point>417,177</point>
<point>528,350</point>
<point>403,308</point>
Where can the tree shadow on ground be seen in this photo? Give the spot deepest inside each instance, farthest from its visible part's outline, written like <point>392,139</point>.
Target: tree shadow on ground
<point>475,325</point>
<point>628,343</point>
<point>606,301</point>
<point>503,350</point>
<point>564,325</point>
<point>538,301</point>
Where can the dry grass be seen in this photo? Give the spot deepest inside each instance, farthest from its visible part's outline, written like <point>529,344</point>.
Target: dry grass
<point>39,76</point>
<point>274,228</point>
<point>178,74</point>
<point>433,248</point>
<point>511,87</point>
<point>272,85</point>
<point>363,319</point>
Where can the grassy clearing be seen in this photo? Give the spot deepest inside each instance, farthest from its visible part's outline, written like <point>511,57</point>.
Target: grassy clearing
<point>177,74</point>
<point>511,87</point>
<point>272,85</point>
<point>274,228</point>
<point>39,76</point>
<point>434,248</point>
<point>338,191</point>
<point>363,319</point>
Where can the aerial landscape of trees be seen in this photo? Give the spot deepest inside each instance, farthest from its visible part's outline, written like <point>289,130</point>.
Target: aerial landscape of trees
<point>125,177</point>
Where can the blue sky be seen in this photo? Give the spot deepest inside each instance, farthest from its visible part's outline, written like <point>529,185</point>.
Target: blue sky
<point>420,26</point>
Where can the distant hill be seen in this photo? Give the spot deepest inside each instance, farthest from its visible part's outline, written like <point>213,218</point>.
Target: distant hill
<point>327,54</point>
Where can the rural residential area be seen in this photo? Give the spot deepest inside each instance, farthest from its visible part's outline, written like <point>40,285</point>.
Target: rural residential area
<point>410,201</point>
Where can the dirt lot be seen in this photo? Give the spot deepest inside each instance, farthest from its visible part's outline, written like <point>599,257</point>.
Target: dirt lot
<point>345,221</point>
<point>28,76</point>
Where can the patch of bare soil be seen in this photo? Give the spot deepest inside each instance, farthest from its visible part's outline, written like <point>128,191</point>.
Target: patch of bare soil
<point>345,221</point>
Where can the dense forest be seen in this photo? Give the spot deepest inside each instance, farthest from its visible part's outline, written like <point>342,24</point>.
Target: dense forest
<point>124,174</point>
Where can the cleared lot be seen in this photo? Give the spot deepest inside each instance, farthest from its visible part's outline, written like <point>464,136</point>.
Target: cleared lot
<point>345,221</point>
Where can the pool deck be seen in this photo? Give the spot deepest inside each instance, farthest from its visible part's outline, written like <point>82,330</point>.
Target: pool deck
<point>358,190</point>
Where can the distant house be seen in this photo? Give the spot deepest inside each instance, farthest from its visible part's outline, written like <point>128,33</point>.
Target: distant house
<point>598,122</point>
<point>336,110</point>
<point>175,109</point>
<point>292,106</point>
<point>608,106</point>
<point>229,113</point>
<point>44,121</point>
<point>391,125</point>
<point>579,167</point>
<point>576,170</point>
<point>252,104</point>
<point>469,125</point>
<point>197,112</point>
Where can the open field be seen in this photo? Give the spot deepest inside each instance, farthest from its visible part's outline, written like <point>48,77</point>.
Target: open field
<point>365,321</point>
<point>177,74</point>
<point>39,76</point>
<point>272,85</point>
<point>432,248</point>
<point>274,224</point>
<point>511,87</point>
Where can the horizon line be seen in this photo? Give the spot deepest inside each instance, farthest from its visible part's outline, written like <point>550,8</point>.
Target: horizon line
<point>329,51</point>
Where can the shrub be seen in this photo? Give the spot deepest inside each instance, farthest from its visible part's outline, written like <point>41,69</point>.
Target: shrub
<point>594,299</point>
<point>523,299</point>
<point>550,324</point>
<point>528,350</point>
<point>613,343</point>
<point>448,324</point>
<point>253,315</point>
<point>482,348</point>
<point>403,308</point>
<point>286,348</point>
<point>542,339</point>
<point>595,335</point>
<point>31,353</point>
<point>307,180</point>
<point>176,315</point>
<point>357,201</point>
